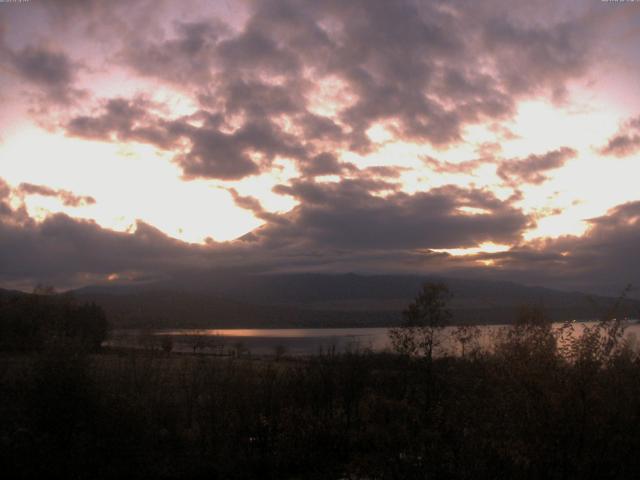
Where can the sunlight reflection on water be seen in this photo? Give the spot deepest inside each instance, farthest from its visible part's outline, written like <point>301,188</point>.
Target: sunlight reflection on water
<point>302,341</point>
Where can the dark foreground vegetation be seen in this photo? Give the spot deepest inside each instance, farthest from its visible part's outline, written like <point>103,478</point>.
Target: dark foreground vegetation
<point>540,404</point>
<point>35,322</point>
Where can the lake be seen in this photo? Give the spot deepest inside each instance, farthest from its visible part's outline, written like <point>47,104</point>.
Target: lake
<point>296,341</point>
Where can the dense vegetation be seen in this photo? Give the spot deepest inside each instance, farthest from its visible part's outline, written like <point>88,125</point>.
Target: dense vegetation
<point>540,404</point>
<point>33,322</point>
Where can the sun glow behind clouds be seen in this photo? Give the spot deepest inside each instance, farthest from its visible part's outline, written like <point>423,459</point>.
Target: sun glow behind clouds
<point>133,181</point>
<point>585,186</point>
<point>540,126</point>
<point>331,95</point>
<point>128,181</point>
<point>487,247</point>
<point>261,186</point>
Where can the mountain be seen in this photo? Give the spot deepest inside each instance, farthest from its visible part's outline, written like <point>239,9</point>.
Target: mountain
<point>226,300</point>
<point>4,293</point>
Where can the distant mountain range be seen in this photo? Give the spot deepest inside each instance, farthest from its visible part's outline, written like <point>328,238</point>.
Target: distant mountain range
<point>228,300</point>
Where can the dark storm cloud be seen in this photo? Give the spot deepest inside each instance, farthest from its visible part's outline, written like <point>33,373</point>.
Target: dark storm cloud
<point>435,67</point>
<point>534,58</point>
<point>348,215</point>
<point>427,68</point>
<point>256,51</point>
<point>5,209</point>
<point>387,56</point>
<point>384,171</point>
<point>68,198</point>
<point>336,227</point>
<point>247,202</point>
<point>52,71</point>
<point>626,141</point>
<point>254,206</point>
<point>5,190</point>
<point>315,192</point>
<point>217,154</point>
<point>626,215</point>
<point>324,163</point>
<point>318,127</point>
<point>123,120</point>
<point>43,66</point>
<point>184,59</point>
<point>533,168</point>
<point>90,11</point>
<point>212,152</point>
<point>63,250</point>
<point>256,98</point>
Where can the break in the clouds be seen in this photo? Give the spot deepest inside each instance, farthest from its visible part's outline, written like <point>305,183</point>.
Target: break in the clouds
<point>604,257</point>
<point>289,135</point>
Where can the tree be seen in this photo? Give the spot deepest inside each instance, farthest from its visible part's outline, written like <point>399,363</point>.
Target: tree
<point>424,320</point>
<point>468,336</point>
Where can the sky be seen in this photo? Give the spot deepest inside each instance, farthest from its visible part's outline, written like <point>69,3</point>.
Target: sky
<point>493,139</point>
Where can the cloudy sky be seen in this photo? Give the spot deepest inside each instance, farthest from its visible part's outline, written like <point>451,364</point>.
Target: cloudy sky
<point>494,138</point>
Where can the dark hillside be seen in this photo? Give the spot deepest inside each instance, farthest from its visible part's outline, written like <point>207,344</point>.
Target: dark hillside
<point>315,300</point>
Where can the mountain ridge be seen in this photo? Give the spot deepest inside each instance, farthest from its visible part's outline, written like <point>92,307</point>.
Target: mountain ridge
<point>214,300</point>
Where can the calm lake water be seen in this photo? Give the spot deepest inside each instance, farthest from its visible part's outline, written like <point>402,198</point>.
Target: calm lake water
<point>298,341</point>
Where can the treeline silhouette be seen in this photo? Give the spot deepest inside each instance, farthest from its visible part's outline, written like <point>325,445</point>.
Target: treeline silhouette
<point>34,322</point>
<point>541,403</point>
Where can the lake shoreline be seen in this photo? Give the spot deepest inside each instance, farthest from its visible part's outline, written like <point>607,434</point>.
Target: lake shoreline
<point>296,341</point>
